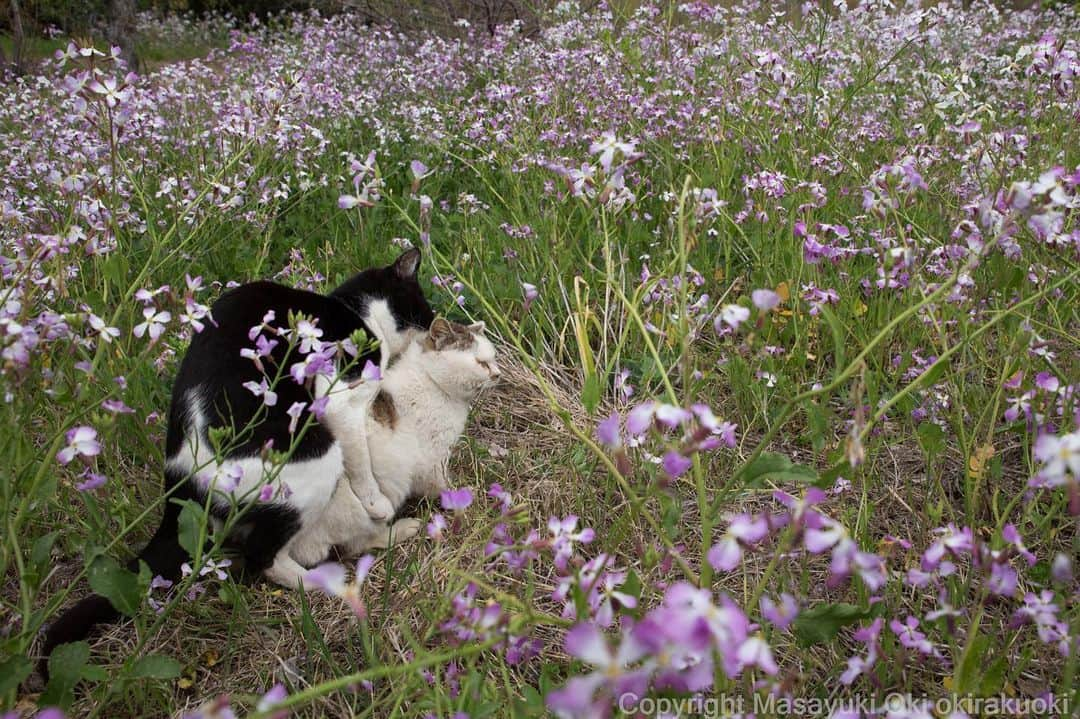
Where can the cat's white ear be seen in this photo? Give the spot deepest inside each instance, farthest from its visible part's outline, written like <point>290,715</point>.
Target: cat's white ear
<point>441,332</point>
<point>477,328</point>
<point>407,263</point>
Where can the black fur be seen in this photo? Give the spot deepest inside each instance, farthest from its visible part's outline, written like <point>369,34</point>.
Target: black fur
<point>213,364</point>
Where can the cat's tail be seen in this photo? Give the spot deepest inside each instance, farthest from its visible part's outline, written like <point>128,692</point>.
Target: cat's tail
<point>163,554</point>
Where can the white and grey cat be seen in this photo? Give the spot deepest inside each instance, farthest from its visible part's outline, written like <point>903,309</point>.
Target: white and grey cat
<point>405,427</point>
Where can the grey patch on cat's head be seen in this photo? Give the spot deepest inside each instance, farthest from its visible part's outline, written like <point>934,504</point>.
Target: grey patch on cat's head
<point>383,410</point>
<point>447,335</point>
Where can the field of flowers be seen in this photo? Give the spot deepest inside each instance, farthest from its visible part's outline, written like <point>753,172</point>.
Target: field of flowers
<point>790,318</point>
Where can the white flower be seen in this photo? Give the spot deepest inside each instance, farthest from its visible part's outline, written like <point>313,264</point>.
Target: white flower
<point>734,315</point>
<point>1058,456</point>
<point>153,324</point>
<point>607,146</point>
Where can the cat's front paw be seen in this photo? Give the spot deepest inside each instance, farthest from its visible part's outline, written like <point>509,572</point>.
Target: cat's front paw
<point>378,506</point>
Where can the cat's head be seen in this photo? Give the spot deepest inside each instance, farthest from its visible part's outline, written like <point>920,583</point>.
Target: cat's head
<point>390,301</point>
<point>459,358</point>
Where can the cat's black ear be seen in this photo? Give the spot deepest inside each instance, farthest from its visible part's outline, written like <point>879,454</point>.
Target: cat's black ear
<point>441,333</point>
<point>407,263</point>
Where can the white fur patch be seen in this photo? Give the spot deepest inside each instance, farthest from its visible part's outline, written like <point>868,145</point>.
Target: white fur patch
<point>432,392</point>
<point>304,485</point>
<point>380,320</point>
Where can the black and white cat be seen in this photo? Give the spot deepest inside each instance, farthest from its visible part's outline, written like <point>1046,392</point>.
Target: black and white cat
<point>209,392</point>
<point>403,428</point>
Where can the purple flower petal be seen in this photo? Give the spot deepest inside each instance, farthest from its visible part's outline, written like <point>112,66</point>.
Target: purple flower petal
<point>675,465</point>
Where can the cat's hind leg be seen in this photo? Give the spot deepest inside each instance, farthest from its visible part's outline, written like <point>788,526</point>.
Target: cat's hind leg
<point>286,571</point>
<point>433,483</point>
<point>382,536</point>
<point>272,528</point>
<point>343,518</point>
<point>346,417</point>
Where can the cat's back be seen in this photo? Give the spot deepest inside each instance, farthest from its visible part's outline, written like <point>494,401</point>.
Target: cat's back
<point>214,369</point>
<point>243,307</point>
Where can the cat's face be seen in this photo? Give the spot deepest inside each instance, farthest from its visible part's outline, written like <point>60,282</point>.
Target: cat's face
<point>460,358</point>
<point>391,302</point>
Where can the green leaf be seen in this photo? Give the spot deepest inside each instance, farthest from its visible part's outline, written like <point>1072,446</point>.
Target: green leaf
<point>778,468</point>
<point>40,554</point>
<point>936,371</point>
<point>837,468</point>
<point>156,666</point>
<point>118,585</point>
<point>590,393</point>
<point>533,698</point>
<point>993,679</point>
<point>838,336</point>
<point>13,671</point>
<point>822,623</point>
<point>66,666</point>
<point>42,548</point>
<point>632,585</point>
<point>190,526</point>
<point>115,269</point>
<point>94,673</point>
<point>931,437</point>
<point>970,671</point>
<point>816,424</point>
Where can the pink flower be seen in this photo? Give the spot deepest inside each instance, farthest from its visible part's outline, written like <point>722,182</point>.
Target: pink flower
<point>783,614</point>
<point>607,432</point>
<point>765,300</point>
<point>675,464</point>
<point>530,292</point>
<point>294,411</point>
<point>743,530</point>
<point>1059,456</point>
<point>419,170</point>
<point>262,389</point>
<point>92,482</point>
<point>330,578</point>
<point>640,418</point>
<point>436,527</point>
<point>456,500</point>
<point>755,652</point>
<point>81,442</point>
<point>909,635</point>
<point>612,677</point>
<point>671,416</point>
<point>564,535</point>
<point>347,202</point>
<point>500,495</point>
<point>371,372</point>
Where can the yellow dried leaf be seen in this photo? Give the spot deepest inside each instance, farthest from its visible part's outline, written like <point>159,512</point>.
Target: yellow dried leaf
<point>211,657</point>
<point>977,461</point>
<point>187,679</point>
